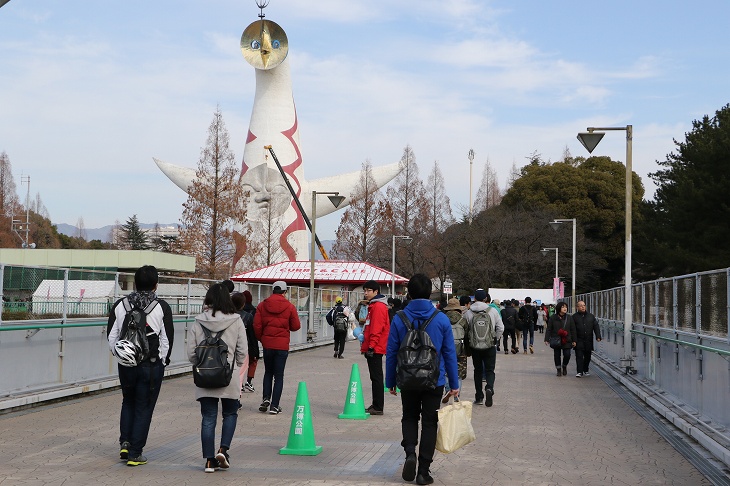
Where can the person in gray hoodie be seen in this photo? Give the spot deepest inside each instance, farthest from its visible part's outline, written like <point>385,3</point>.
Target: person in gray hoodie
<point>219,314</point>
<point>484,359</point>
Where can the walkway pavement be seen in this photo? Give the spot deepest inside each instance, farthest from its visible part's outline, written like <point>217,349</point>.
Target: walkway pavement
<point>541,430</point>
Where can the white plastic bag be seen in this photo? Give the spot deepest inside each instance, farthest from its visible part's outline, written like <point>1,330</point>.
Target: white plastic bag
<point>455,430</point>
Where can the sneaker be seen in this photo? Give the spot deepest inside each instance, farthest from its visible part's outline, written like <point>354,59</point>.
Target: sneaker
<point>532,350</point>
<point>565,370</point>
<point>223,459</point>
<point>335,355</point>
<point>456,398</point>
<point>339,356</point>
<point>137,461</point>
<point>248,388</point>
<point>443,400</point>
<point>488,393</point>
<point>506,352</point>
<point>124,450</point>
<point>525,352</point>
<point>409,467</point>
<point>585,373</point>
<point>274,410</point>
<point>559,372</point>
<point>265,405</point>
<point>424,478</point>
<point>578,375</point>
<point>478,402</point>
<point>210,465</point>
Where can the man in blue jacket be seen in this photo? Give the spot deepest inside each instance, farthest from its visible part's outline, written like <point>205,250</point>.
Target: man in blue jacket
<point>421,405</point>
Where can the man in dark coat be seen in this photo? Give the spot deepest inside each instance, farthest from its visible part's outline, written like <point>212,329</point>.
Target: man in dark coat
<point>585,327</point>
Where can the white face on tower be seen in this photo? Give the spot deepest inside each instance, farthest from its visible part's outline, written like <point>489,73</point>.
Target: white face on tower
<point>264,44</point>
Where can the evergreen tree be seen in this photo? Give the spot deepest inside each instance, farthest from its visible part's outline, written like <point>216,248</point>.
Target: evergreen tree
<point>687,229</point>
<point>133,237</point>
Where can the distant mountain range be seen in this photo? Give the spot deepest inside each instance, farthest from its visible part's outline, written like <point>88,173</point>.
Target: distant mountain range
<point>104,234</point>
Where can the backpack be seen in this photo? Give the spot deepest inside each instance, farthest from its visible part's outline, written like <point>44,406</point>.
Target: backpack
<point>212,369</point>
<point>418,364</point>
<point>138,333</point>
<point>459,334</point>
<point>340,320</point>
<point>362,313</point>
<point>481,331</point>
<point>527,316</point>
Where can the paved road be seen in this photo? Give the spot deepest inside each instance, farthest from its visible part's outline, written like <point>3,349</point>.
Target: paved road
<point>541,430</point>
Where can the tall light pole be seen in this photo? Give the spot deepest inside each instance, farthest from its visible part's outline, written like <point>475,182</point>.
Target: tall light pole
<point>336,200</point>
<point>555,225</point>
<point>590,140</point>
<point>470,155</point>
<point>392,273</point>
<point>545,252</point>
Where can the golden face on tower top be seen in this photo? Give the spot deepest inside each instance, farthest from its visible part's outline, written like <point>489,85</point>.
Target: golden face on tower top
<point>264,44</point>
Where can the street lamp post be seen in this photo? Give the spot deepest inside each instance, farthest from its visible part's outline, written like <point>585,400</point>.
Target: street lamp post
<point>590,140</point>
<point>545,252</point>
<point>470,155</point>
<point>336,200</point>
<point>392,274</point>
<point>555,225</point>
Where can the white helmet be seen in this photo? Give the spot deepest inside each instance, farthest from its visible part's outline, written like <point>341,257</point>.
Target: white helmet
<point>126,353</point>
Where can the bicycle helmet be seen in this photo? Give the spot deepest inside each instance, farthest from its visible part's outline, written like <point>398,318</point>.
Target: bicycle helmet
<point>126,353</point>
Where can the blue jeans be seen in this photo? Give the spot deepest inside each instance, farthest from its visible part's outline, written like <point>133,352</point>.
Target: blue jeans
<point>274,364</point>
<point>531,330</point>
<point>209,411</point>
<point>140,389</point>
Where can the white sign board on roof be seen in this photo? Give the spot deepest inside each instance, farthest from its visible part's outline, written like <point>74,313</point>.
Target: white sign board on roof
<point>324,272</point>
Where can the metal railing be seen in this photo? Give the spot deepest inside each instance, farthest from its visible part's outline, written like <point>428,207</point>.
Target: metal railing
<point>54,321</point>
<point>679,337</point>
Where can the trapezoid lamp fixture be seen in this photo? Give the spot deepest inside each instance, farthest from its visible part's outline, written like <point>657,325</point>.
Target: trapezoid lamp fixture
<point>590,140</point>
<point>336,200</point>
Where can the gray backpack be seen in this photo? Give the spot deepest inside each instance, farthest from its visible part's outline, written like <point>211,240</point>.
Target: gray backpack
<point>481,331</point>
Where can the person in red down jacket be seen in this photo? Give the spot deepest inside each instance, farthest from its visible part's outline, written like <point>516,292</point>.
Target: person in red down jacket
<point>377,327</point>
<point>275,319</point>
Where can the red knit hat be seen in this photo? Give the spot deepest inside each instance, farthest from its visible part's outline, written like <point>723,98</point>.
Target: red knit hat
<point>248,296</point>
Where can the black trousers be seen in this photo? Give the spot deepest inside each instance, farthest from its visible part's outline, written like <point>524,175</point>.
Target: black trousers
<point>375,367</point>
<point>340,337</point>
<point>582,359</point>
<point>507,333</point>
<point>566,356</point>
<point>424,406</point>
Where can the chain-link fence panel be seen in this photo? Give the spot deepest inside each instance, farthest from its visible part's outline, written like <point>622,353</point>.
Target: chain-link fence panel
<point>713,304</point>
<point>665,303</point>
<point>686,299</point>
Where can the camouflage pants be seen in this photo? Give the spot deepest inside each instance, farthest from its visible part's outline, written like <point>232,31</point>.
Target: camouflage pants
<point>461,364</point>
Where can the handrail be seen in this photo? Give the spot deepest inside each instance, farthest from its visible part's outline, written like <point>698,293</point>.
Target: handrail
<point>30,327</point>
<point>683,343</point>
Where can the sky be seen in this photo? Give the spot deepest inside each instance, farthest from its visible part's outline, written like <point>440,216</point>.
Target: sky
<point>91,91</point>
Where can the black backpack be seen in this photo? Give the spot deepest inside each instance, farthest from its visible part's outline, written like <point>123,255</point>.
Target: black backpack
<point>136,330</point>
<point>212,369</point>
<point>340,320</point>
<point>419,366</point>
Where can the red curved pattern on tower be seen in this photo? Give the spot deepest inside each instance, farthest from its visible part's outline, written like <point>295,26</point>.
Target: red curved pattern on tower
<point>298,223</point>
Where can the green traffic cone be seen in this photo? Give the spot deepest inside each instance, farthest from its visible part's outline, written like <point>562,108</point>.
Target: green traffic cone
<point>301,432</point>
<point>354,402</point>
<point>387,390</point>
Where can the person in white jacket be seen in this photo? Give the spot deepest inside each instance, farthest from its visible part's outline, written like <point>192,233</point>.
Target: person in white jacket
<point>485,360</point>
<point>219,314</point>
